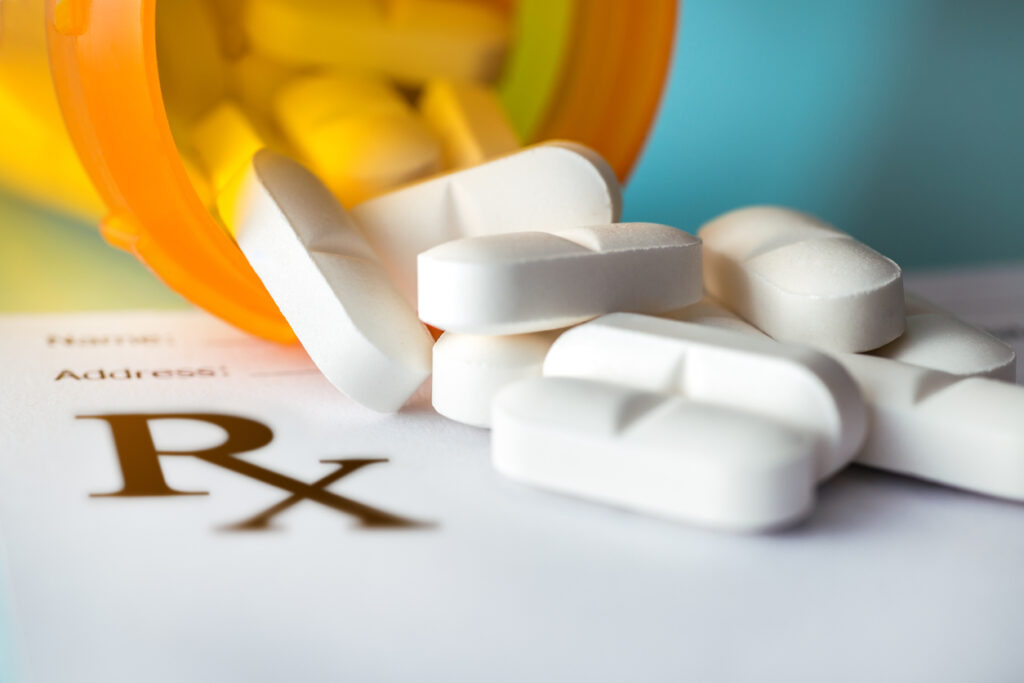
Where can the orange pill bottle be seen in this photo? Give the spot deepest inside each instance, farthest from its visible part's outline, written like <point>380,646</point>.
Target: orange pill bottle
<point>87,131</point>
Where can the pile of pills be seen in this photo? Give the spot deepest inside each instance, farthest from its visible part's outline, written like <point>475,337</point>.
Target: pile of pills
<point>368,94</point>
<point>714,379</point>
<point>597,358</point>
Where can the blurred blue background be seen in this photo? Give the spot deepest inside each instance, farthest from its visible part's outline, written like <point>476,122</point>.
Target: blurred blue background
<point>900,121</point>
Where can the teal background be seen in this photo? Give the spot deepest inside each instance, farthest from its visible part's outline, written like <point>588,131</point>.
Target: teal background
<point>900,121</point>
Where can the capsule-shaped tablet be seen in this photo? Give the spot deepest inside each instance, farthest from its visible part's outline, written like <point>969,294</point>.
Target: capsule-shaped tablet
<point>799,279</point>
<point>796,385</point>
<point>654,453</point>
<point>308,101</point>
<point>533,281</point>
<point>470,122</point>
<point>548,188</point>
<point>225,142</point>
<point>937,339</point>
<point>357,133</point>
<point>328,282</point>
<point>470,370</point>
<point>364,156</point>
<point>948,440</point>
<point>962,432</point>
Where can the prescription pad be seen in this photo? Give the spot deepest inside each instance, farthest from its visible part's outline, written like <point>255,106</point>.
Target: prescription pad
<point>340,544</point>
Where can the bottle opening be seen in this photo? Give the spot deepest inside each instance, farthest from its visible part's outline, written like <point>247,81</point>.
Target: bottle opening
<point>163,98</point>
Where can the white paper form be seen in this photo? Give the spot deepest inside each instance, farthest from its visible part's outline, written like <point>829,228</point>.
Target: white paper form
<point>271,570</point>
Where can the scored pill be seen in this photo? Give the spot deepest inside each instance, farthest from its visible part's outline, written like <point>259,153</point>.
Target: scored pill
<point>795,385</point>
<point>924,424</point>
<point>799,279</point>
<point>937,339</point>
<point>469,120</point>
<point>662,455</point>
<point>328,283</point>
<point>934,338</point>
<point>962,432</point>
<point>470,369</point>
<point>548,188</point>
<point>533,281</point>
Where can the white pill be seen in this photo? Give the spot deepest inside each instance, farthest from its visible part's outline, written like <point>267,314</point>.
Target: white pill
<point>328,283</point>
<point>796,385</point>
<point>799,279</point>
<point>966,433</point>
<point>709,312</point>
<point>663,455</point>
<point>533,281</point>
<point>548,187</point>
<point>469,370</point>
<point>937,339</point>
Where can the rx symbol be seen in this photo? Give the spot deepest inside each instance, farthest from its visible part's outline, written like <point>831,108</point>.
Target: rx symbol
<point>143,476</point>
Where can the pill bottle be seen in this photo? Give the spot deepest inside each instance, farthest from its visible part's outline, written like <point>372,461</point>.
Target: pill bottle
<point>585,70</point>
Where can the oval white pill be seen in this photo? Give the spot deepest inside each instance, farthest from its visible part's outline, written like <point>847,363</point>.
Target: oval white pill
<point>548,187</point>
<point>965,433</point>
<point>937,339</point>
<point>328,282</point>
<point>470,369</point>
<point>795,385</point>
<point>662,455</point>
<point>532,281</point>
<point>799,279</point>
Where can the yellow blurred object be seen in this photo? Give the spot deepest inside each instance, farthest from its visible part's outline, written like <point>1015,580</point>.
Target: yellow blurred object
<point>469,120</point>
<point>37,159</point>
<point>309,101</point>
<point>233,43</point>
<point>408,40</point>
<point>225,140</point>
<point>199,180</point>
<point>228,202</point>
<point>357,133</point>
<point>359,157</point>
<point>254,80</point>
<point>193,65</point>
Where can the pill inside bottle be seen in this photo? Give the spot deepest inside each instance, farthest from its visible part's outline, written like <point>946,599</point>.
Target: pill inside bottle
<point>369,94</point>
